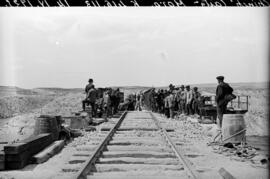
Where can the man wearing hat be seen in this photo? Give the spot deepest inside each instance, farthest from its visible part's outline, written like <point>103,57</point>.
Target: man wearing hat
<point>87,88</point>
<point>91,99</point>
<point>169,105</point>
<point>171,87</point>
<point>89,85</point>
<point>222,91</point>
<point>196,100</point>
<point>188,100</point>
<point>178,99</point>
<point>106,104</point>
<point>182,100</point>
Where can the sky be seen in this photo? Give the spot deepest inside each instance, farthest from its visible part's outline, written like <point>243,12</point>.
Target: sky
<point>64,47</point>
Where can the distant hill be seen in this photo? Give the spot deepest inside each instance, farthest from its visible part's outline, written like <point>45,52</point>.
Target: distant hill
<point>13,90</point>
<point>56,90</point>
<point>210,87</point>
<point>260,85</point>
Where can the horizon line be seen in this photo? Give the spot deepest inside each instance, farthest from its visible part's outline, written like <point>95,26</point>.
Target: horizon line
<point>129,86</point>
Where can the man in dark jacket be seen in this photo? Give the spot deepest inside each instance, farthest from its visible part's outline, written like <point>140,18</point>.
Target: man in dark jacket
<point>160,101</point>
<point>189,98</point>
<point>182,100</point>
<point>152,99</point>
<point>196,100</point>
<point>115,100</point>
<point>89,85</point>
<point>86,89</point>
<point>91,99</point>
<point>223,89</point>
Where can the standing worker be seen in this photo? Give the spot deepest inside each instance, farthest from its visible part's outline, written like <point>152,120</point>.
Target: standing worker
<point>178,99</point>
<point>166,105</point>
<point>87,88</point>
<point>160,100</point>
<point>183,99</point>
<point>89,85</point>
<point>115,100</point>
<point>138,102</point>
<point>189,97</point>
<point>152,99</point>
<point>223,96</point>
<point>91,99</point>
<point>106,104</point>
<point>196,100</point>
<point>170,104</point>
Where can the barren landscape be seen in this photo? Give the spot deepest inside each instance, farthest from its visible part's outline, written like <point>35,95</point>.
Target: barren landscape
<point>20,107</point>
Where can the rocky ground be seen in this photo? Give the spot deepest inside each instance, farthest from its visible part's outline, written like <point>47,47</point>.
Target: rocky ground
<point>189,135</point>
<point>213,157</point>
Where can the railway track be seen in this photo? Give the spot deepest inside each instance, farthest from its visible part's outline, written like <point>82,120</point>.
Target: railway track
<point>136,146</point>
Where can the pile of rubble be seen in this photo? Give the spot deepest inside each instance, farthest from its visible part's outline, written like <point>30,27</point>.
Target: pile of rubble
<point>190,128</point>
<point>242,152</point>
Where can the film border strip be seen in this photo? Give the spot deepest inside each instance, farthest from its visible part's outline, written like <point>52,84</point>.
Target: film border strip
<point>122,3</point>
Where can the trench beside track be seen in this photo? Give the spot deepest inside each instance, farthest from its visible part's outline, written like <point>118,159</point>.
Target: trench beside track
<point>88,166</point>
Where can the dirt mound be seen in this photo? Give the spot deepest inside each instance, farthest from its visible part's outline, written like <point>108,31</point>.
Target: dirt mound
<point>22,126</point>
<point>13,105</point>
<point>64,105</point>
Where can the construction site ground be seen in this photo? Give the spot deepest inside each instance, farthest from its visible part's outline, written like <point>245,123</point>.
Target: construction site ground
<point>193,138</point>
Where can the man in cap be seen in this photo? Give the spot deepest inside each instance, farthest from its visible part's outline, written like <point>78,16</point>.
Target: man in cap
<point>177,99</point>
<point>171,87</point>
<point>161,97</point>
<point>159,101</point>
<point>182,100</point>
<point>196,100</point>
<point>115,100</point>
<point>91,99</point>
<point>188,100</point>
<point>106,104</point>
<point>152,99</point>
<point>138,102</point>
<point>166,104</point>
<point>89,85</point>
<point>86,89</point>
<point>222,91</point>
<point>169,104</point>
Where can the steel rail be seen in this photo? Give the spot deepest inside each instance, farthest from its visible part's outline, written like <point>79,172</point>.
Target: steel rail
<point>82,173</point>
<point>180,155</point>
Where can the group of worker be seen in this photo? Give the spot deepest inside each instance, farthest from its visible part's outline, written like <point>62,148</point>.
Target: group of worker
<point>184,100</point>
<point>102,102</point>
<point>187,101</point>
